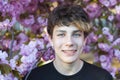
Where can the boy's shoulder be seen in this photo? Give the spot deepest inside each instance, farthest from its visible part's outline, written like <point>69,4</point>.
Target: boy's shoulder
<point>97,71</point>
<point>43,67</point>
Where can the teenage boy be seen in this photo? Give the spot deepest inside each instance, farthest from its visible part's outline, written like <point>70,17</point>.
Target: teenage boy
<point>68,26</point>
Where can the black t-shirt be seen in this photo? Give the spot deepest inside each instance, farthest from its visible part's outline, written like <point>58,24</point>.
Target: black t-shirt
<point>88,72</point>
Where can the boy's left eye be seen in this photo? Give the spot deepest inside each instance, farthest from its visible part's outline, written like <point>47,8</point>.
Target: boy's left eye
<point>77,35</point>
<point>61,35</point>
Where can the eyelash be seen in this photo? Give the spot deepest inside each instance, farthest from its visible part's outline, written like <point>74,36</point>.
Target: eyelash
<point>74,35</point>
<point>60,34</point>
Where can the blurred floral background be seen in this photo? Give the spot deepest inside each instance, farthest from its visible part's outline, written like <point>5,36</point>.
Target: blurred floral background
<point>24,43</point>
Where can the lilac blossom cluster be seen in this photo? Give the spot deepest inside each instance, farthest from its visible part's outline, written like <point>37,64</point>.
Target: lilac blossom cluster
<point>22,25</point>
<point>104,41</point>
<point>30,13</point>
<point>8,77</point>
<point>27,54</point>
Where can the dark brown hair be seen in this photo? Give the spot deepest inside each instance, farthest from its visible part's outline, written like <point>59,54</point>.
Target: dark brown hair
<point>68,15</point>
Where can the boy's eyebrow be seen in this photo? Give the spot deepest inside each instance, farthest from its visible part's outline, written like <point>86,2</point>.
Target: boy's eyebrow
<point>65,31</point>
<point>60,31</point>
<point>77,31</point>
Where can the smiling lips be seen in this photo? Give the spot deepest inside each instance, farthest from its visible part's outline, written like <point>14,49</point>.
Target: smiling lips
<point>69,52</point>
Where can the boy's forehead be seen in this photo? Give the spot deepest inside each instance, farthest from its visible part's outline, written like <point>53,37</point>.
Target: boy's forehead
<point>66,29</point>
<point>63,27</point>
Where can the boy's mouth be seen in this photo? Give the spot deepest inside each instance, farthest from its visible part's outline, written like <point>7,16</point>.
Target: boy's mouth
<point>69,52</point>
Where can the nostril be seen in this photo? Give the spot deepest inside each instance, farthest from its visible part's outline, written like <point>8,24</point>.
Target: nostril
<point>69,44</point>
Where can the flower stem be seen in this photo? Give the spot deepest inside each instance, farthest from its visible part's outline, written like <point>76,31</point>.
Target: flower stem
<point>11,45</point>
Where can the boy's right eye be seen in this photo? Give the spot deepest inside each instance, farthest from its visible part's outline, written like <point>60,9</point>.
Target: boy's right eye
<point>61,35</point>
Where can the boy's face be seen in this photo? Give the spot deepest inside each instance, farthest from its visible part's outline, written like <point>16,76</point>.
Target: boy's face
<point>68,43</point>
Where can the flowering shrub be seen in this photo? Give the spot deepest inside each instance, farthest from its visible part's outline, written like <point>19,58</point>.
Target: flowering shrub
<point>104,40</point>
<point>23,41</point>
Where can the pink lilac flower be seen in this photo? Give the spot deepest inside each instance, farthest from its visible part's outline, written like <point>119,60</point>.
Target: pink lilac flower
<point>92,37</point>
<point>32,44</point>
<point>25,3</point>
<point>25,50</point>
<point>40,44</point>
<point>111,17</point>
<point>7,44</point>
<point>93,10</point>
<point>104,47</point>
<point>113,2</point>
<point>1,6</point>
<point>113,72</point>
<point>48,54</point>
<point>4,2</point>
<point>13,62</point>
<point>5,25</point>
<point>87,49</point>
<point>33,5</point>
<point>45,35</point>
<point>13,21</point>
<point>41,1</point>
<point>116,42</point>
<point>29,21</point>
<point>108,3</point>
<point>108,35</point>
<point>42,21</point>
<point>96,57</point>
<point>23,68</point>
<point>8,8</point>
<point>117,9</point>
<point>105,30</point>
<point>28,59</point>
<point>2,77</point>
<point>37,29</point>
<point>110,38</point>
<point>29,56</point>
<point>117,53</point>
<point>3,55</point>
<point>111,53</point>
<point>106,64</point>
<point>103,58</point>
<point>22,38</point>
<point>18,8</point>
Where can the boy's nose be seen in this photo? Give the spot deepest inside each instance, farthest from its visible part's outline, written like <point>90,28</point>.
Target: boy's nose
<point>69,41</point>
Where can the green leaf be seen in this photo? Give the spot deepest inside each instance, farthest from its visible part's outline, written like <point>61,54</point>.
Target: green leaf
<point>116,47</point>
<point>100,40</point>
<point>118,75</point>
<point>97,64</point>
<point>98,32</point>
<point>16,74</point>
<point>5,68</point>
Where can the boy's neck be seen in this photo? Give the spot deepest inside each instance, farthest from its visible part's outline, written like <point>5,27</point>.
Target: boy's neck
<point>68,68</point>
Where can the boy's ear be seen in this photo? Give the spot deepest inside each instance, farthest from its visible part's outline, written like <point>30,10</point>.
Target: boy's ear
<point>50,40</point>
<point>85,40</point>
<point>49,37</point>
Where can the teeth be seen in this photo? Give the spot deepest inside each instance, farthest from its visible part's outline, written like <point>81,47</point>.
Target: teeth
<point>69,51</point>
